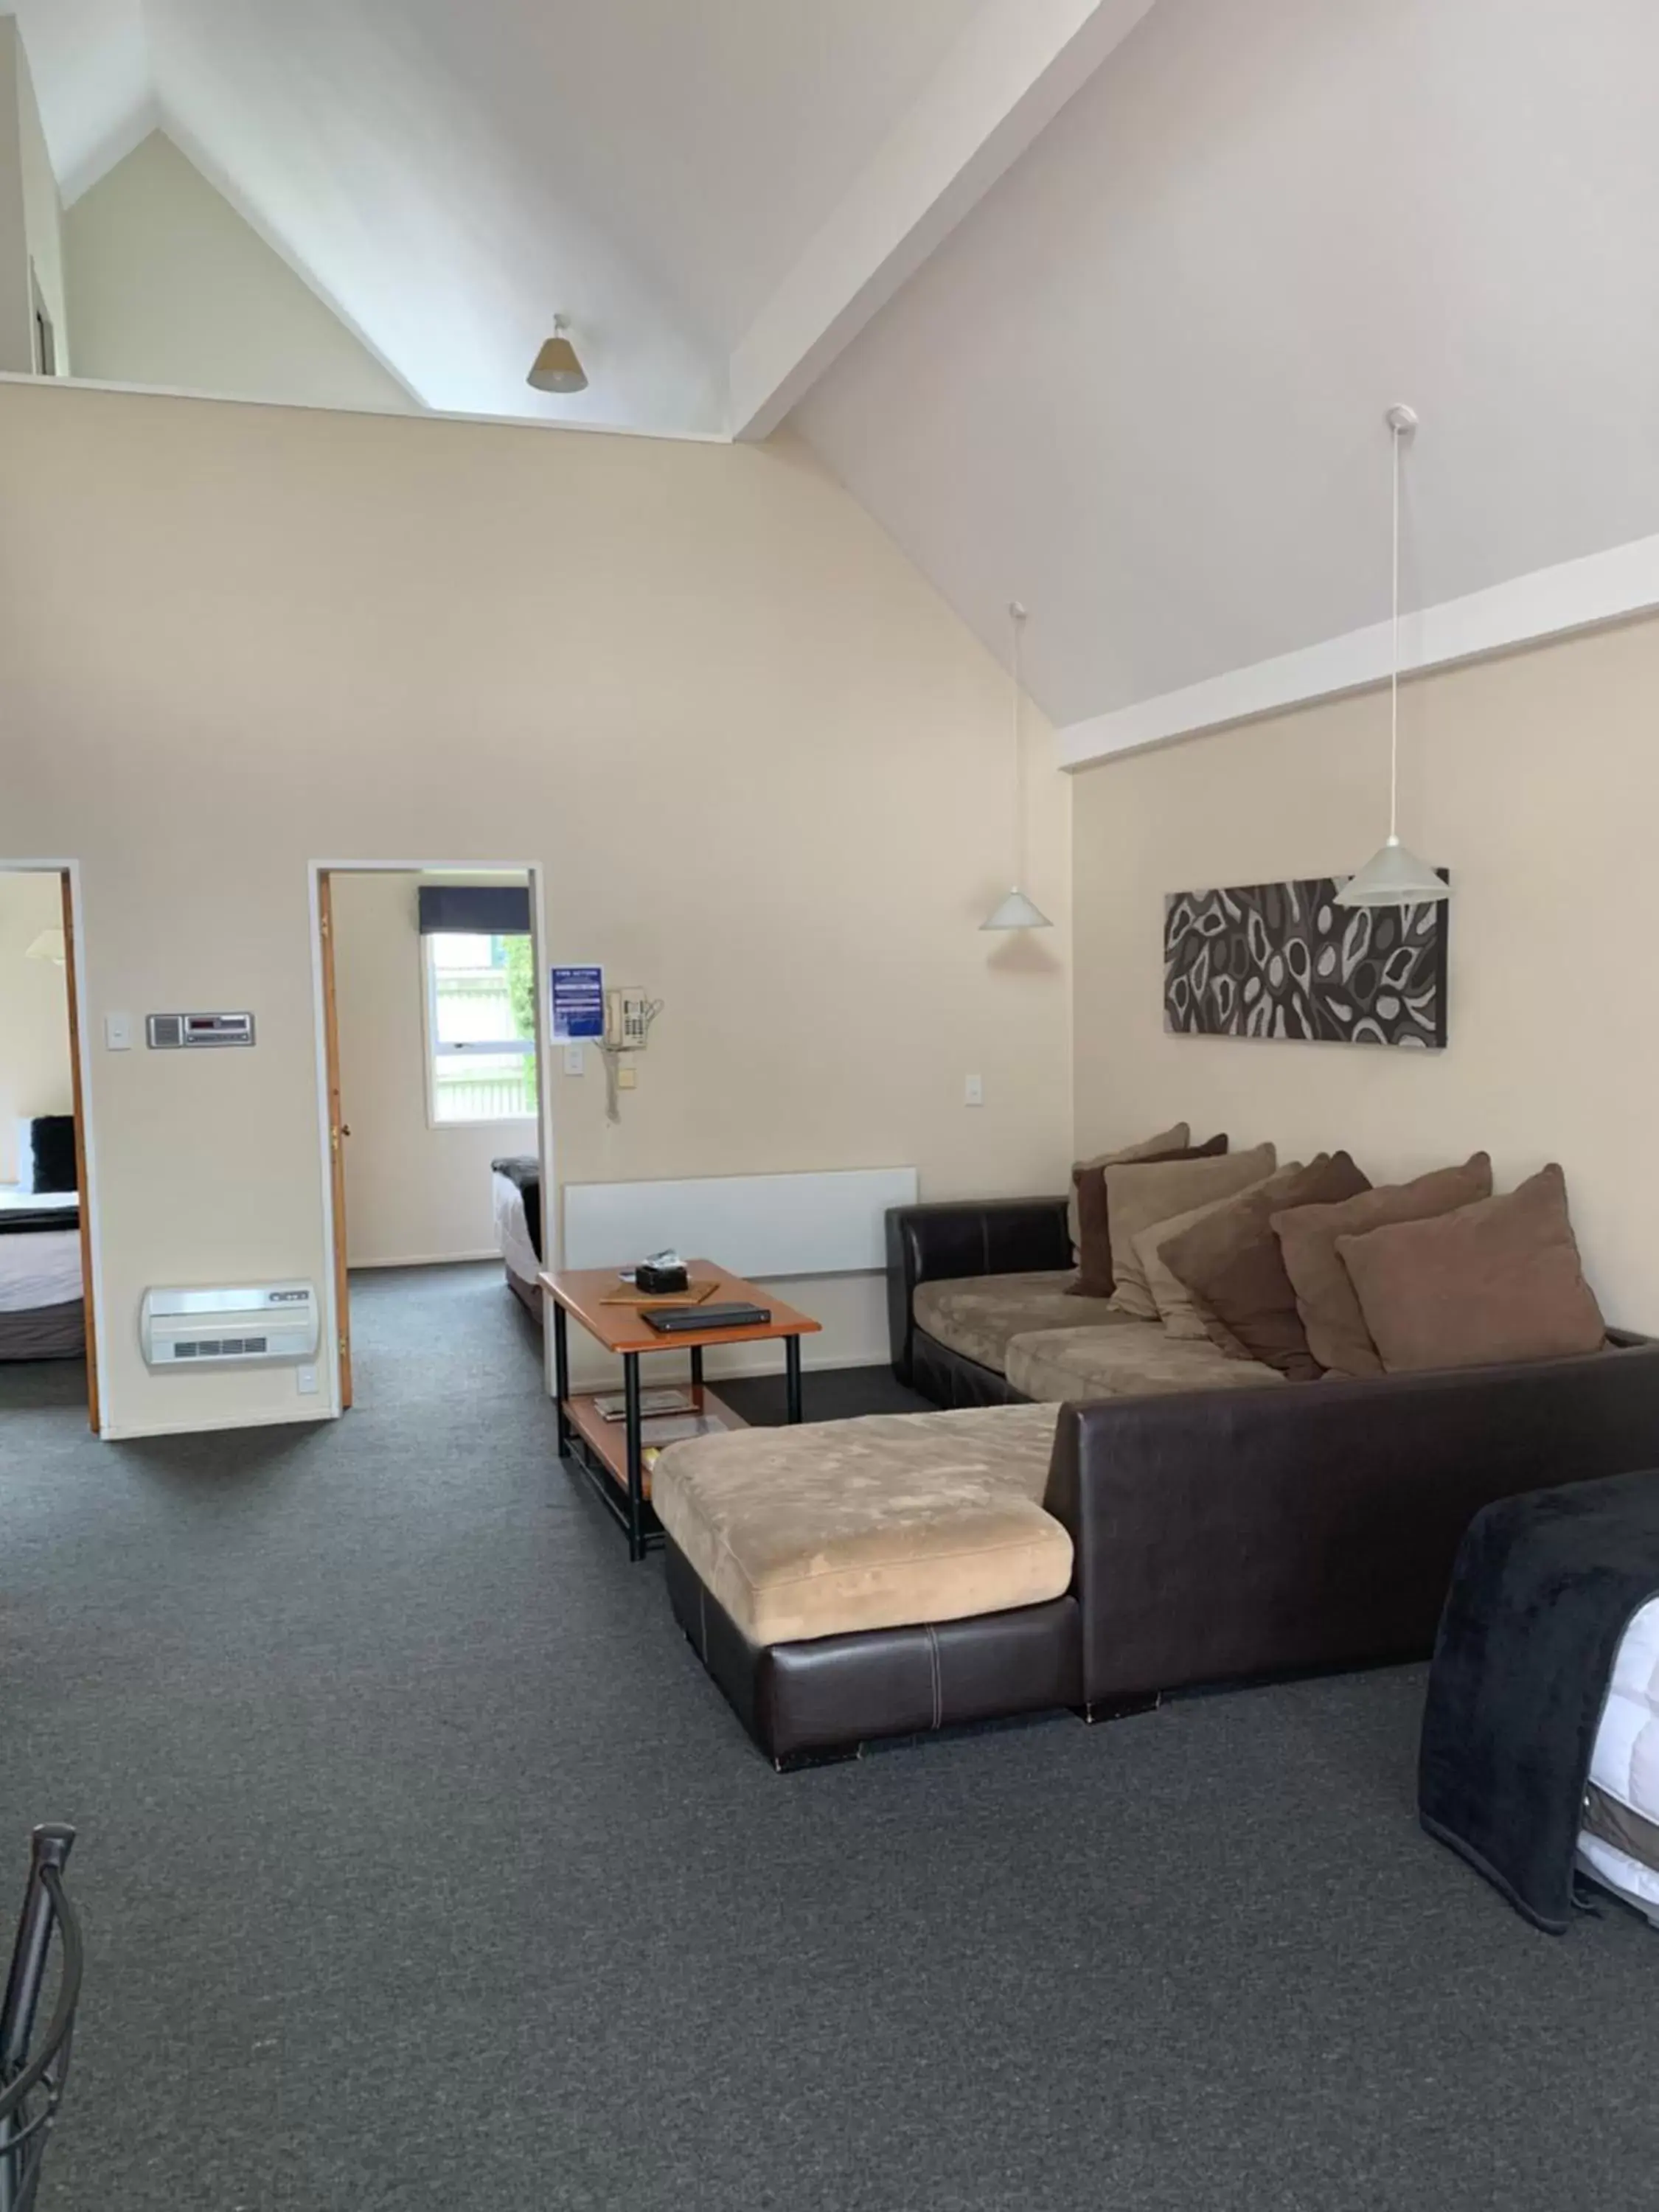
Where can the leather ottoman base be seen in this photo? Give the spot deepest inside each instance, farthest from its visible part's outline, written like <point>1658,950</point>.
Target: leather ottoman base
<point>831,1694</point>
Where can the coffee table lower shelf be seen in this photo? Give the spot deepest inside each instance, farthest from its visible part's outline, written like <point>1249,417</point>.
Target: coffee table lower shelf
<point>599,1448</point>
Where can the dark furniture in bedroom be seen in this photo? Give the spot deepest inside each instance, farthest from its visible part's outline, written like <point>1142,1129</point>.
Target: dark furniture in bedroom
<point>1216,1536</point>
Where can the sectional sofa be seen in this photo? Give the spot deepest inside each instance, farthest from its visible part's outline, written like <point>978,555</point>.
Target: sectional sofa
<point>979,1313</point>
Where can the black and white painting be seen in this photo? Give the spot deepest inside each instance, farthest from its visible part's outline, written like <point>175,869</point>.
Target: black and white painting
<point>1284,960</point>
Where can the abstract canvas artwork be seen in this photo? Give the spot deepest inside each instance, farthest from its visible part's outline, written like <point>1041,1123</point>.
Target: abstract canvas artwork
<point>1284,960</point>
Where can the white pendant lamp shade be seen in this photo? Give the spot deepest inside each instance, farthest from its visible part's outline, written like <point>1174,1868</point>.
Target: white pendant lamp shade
<point>1394,876</point>
<point>1017,911</point>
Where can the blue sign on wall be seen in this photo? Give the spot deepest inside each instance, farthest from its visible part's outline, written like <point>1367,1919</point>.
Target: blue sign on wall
<point>578,1003</point>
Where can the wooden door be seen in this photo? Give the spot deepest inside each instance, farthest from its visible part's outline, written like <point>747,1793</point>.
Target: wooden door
<point>79,1105</point>
<point>337,1133</point>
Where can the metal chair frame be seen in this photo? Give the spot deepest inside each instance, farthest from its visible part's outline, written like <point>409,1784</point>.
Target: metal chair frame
<point>32,2086</point>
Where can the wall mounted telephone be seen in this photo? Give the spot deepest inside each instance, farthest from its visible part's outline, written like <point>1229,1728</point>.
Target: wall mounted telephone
<point>627,1018</point>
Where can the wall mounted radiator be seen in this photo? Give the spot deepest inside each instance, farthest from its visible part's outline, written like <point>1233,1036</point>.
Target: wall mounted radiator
<point>762,1226</point>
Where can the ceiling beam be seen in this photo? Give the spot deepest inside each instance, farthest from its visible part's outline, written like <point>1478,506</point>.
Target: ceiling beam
<point>1009,73</point>
<point>1620,585</point>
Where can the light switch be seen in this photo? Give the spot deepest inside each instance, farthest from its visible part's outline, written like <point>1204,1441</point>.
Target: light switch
<point>117,1032</point>
<point>973,1090</point>
<point>575,1060</point>
<point>626,1077</point>
<point>305,1380</point>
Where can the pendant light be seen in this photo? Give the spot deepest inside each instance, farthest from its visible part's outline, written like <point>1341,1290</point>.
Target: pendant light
<point>557,367</point>
<point>1394,876</point>
<point>1017,911</point>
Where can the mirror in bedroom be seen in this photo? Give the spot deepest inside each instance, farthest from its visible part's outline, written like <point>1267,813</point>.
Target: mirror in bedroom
<point>47,1353</point>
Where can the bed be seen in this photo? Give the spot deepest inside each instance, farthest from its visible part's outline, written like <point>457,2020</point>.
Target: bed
<point>42,1297</point>
<point>1618,1841</point>
<point>516,1186</point>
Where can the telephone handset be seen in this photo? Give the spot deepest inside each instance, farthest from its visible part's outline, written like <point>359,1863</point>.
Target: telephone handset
<point>627,1018</point>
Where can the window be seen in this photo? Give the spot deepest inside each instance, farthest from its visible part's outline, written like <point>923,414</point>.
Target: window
<point>481,1027</point>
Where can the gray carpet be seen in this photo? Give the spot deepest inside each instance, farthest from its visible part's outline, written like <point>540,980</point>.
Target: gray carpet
<point>423,1867</point>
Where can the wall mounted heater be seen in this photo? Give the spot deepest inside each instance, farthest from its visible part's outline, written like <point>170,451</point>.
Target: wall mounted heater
<point>257,1326</point>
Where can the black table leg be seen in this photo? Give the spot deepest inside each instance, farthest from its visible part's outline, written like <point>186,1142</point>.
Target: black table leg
<point>792,1376</point>
<point>696,1367</point>
<point>635,1457</point>
<point>560,1372</point>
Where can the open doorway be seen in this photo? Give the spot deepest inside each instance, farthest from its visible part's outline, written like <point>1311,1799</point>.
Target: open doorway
<point>48,1330</point>
<point>431,1051</point>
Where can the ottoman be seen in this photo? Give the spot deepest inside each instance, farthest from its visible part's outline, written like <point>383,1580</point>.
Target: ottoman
<point>882,1577</point>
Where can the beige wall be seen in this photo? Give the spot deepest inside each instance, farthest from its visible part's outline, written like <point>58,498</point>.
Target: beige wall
<point>414,1193</point>
<point>169,286</point>
<point>1535,779</point>
<point>34,1054</point>
<point>762,764</point>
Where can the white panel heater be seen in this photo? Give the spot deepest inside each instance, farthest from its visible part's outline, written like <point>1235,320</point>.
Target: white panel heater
<point>762,1226</point>
<point>253,1325</point>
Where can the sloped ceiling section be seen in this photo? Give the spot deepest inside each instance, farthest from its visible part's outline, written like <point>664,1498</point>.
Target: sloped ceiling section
<point>1141,386</point>
<point>450,177</point>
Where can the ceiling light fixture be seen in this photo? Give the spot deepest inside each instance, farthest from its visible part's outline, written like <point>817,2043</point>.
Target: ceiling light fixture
<point>557,367</point>
<point>1394,876</point>
<point>1017,911</point>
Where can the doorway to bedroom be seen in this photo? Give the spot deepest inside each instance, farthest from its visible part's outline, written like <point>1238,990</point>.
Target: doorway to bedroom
<point>433,1113</point>
<point>48,1339</point>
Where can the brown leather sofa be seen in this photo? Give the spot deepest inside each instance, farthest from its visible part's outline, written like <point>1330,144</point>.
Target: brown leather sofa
<point>1216,1536</point>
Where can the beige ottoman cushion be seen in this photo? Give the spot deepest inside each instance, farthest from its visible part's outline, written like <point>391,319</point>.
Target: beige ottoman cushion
<point>977,1315</point>
<point>1073,1365</point>
<point>883,1522</point>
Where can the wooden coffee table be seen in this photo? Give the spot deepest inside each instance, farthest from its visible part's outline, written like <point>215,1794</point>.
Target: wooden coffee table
<point>611,1454</point>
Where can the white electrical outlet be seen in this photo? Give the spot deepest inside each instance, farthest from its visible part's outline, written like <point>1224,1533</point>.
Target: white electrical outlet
<point>305,1379</point>
<point>626,1078</point>
<point>575,1060</point>
<point>973,1090</point>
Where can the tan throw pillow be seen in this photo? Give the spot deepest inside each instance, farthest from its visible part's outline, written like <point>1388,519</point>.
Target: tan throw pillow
<point>1173,1140</point>
<point>1497,1280</point>
<point>1175,1307</point>
<point>1095,1276</point>
<point>1337,1336</point>
<point>1154,1191</point>
<point>1230,1265</point>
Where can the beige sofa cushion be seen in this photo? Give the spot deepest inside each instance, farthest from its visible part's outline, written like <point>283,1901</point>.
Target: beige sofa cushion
<point>883,1522</point>
<point>1174,1139</point>
<point>1158,1190</point>
<point>977,1315</point>
<point>1137,1361</point>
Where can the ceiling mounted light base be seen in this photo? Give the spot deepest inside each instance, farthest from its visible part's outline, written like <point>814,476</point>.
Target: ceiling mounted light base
<point>1394,876</point>
<point>557,367</point>
<point>1016,912</point>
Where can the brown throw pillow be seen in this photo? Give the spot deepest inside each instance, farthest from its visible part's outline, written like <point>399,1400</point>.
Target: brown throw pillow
<point>1337,1335</point>
<point>1175,1138</point>
<point>1175,1307</point>
<point>1495,1281</point>
<point>1089,1201</point>
<point>1156,1190</point>
<point>1231,1267</point>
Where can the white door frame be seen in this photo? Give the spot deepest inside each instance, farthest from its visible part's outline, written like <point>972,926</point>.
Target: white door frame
<point>315,870</point>
<point>98,1335</point>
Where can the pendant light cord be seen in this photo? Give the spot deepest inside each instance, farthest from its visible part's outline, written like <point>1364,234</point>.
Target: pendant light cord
<point>1394,678</point>
<point>1016,615</point>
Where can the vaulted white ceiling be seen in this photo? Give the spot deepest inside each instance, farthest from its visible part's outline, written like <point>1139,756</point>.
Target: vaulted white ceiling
<point>1094,303</point>
<point>1141,386</point>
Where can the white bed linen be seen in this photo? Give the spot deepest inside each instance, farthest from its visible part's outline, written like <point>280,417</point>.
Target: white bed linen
<point>39,1268</point>
<point>1626,1763</point>
<point>512,1229</point>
